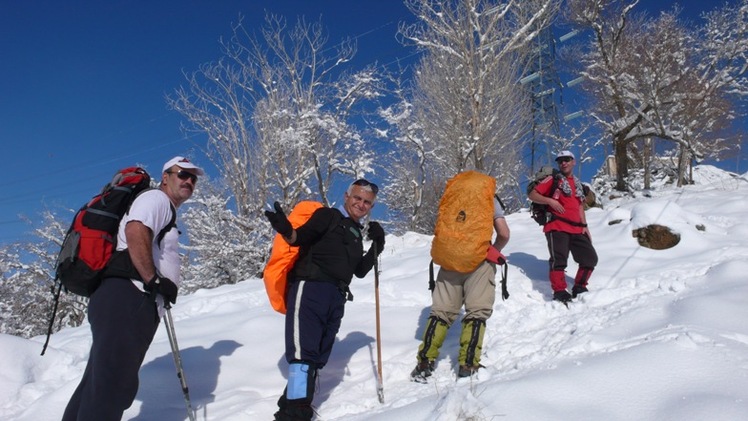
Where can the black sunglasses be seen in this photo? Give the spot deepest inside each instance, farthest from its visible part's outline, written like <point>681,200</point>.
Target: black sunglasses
<point>564,159</point>
<point>183,175</point>
<point>366,183</point>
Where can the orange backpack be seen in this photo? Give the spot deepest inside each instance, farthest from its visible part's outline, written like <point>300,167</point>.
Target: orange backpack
<point>464,224</point>
<point>283,256</point>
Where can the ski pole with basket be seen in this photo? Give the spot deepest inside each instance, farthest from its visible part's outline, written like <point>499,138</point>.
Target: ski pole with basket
<point>178,361</point>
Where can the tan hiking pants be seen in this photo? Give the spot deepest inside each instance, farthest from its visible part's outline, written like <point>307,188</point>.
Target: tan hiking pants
<point>475,290</point>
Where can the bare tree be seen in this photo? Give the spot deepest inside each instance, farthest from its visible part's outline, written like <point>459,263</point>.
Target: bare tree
<point>606,69</point>
<point>720,82</point>
<point>277,110</point>
<point>688,89</point>
<point>406,166</point>
<point>28,283</point>
<point>221,249</point>
<point>466,109</point>
<point>656,77</point>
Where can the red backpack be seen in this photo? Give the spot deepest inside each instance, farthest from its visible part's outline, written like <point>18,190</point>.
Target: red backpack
<point>92,237</point>
<point>91,240</point>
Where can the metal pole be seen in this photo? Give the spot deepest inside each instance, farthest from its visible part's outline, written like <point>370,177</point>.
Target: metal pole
<point>54,313</point>
<point>178,361</point>
<point>380,386</point>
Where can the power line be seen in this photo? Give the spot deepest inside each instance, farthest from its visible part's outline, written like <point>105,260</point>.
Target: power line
<point>96,161</point>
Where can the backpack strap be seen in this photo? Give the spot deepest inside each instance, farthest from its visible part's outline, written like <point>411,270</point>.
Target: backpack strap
<point>172,224</point>
<point>553,216</point>
<point>504,290</point>
<point>554,184</point>
<point>432,282</point>
<point>120,265</point>
<point>498,199</point>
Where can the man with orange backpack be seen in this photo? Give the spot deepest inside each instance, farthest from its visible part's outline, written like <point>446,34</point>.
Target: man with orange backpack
<point>331,251</point>
<point>469,213</point>
<point>566,230</point>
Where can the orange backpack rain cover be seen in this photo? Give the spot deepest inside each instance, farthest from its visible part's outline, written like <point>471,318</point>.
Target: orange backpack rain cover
<point>283,256</point>
<point>464,224</point>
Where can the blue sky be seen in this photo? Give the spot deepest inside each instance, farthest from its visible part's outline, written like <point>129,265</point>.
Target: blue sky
<point>82,84</point>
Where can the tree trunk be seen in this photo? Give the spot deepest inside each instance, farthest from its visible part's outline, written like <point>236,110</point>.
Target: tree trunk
<point>648,146</point>
<point>622,161</point>
<point>682,160</point>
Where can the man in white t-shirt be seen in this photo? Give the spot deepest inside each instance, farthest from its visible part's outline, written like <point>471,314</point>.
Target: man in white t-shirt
<point>125,313</point>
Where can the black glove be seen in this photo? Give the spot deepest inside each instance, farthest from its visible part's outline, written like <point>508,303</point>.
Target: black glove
<point>279,221</point>
<point>163,286</point>
<point>376,234</point>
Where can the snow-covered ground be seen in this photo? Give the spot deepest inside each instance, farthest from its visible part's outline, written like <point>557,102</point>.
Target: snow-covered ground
<point>662,334</point>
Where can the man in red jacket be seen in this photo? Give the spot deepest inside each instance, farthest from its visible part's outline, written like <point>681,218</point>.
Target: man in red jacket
<point>567,230</point>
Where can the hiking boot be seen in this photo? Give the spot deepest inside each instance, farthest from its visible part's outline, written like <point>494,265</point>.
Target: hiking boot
<point>301,412</point>
<point>468,370</point>
<point>562,296</point>
<point>422,372</point>
<point>578,289</point>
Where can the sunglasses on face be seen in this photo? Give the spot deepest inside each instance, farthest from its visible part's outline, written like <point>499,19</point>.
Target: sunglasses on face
<point>366,183</point>
<point>184,175</point>
<point>564,159</point>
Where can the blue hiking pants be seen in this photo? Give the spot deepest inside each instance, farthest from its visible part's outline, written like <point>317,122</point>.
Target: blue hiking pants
<point>313,316</point>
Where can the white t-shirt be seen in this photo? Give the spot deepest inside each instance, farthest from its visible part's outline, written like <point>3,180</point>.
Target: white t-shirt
<point>153,209</point>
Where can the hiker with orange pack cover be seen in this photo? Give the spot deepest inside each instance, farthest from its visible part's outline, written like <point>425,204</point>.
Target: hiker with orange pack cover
<point>331,251</point>
<point>469,213</point>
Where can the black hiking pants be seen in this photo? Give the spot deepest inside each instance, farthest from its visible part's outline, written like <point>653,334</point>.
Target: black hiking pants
<point>123,322</point>
<point>561,243</point>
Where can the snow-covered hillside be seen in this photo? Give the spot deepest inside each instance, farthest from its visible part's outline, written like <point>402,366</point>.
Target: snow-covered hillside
<point>662,334</point>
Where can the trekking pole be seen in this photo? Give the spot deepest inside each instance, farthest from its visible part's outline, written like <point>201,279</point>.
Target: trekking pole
<point>504,290</point>
<point>54,313</point>
<point>380,386</point>
<point>178,359</point>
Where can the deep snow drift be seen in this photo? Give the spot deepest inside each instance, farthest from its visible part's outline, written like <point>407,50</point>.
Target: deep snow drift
<point>662,334</point>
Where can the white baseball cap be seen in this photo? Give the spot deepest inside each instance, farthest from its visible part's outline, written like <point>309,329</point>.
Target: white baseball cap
<point>184,163</point>
<point>565,154</point>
